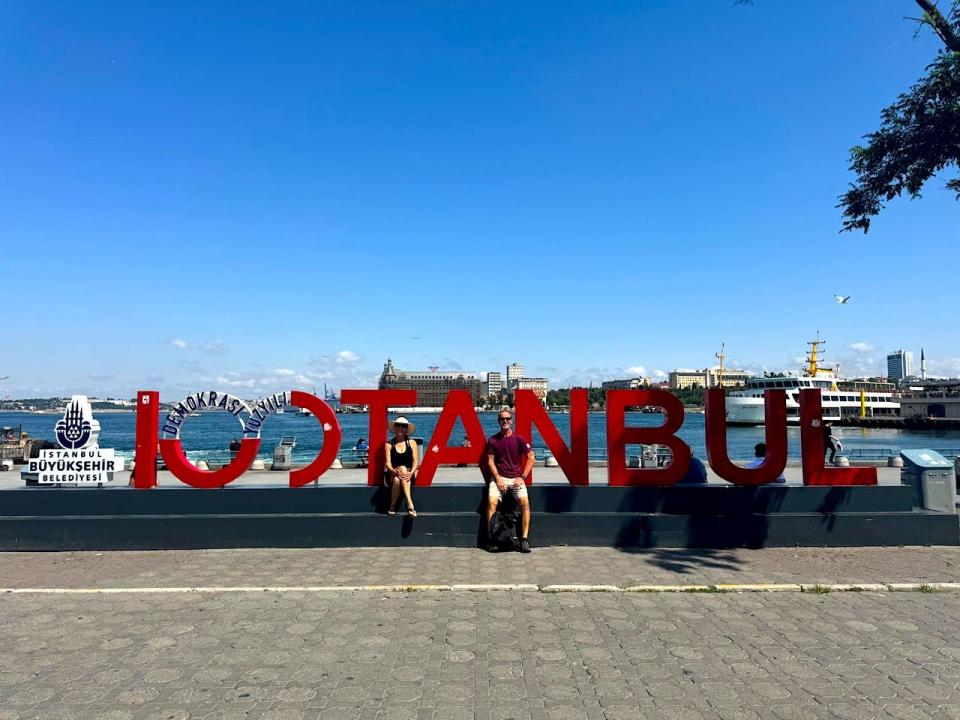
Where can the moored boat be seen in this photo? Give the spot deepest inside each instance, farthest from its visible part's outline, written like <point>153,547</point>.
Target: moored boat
<point>839,398</point>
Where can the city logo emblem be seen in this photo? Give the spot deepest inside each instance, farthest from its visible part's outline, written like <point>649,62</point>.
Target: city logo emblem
<point>75,429</point>
<point>79,460</point>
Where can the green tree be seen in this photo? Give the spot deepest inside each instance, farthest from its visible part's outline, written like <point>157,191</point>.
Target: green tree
<point>919,134</point>
<point>691,396</point>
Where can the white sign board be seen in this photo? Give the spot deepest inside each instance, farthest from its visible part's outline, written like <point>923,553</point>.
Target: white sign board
<point>82,467</point>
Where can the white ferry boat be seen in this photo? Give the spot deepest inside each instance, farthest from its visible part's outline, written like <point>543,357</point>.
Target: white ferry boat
<point>839,398</point>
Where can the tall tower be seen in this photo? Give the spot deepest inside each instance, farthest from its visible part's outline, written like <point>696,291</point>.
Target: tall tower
<point>514,372</point>
<point>923,365</point>
<point>899,365</point>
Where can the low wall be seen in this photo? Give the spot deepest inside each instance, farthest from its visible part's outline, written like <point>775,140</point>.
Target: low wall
<point>177,517</point>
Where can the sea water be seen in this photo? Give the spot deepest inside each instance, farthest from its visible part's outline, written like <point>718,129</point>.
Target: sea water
<point>207,435</point>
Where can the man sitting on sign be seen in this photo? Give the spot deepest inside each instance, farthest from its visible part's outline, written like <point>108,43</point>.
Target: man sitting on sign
<point>510,459</point>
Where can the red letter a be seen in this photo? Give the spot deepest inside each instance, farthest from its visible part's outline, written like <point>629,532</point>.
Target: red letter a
<point>458,404</point>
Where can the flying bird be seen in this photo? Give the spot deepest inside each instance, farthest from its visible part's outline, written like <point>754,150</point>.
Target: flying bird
<point>841,300</point>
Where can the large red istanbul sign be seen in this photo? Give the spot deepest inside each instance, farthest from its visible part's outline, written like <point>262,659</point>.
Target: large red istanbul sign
<point>529,413</point>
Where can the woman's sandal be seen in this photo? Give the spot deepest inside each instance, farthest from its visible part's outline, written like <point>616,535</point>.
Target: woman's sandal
<point>412,512</point>
<point>391,512</point>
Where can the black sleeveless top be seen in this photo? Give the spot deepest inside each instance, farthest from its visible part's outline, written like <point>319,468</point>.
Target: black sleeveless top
<point>404,458</point>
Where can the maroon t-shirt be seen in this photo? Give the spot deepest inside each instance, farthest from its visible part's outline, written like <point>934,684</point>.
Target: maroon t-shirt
<point>508,453</point>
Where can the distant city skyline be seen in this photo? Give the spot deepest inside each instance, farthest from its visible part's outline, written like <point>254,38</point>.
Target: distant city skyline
<point>353,371</point>
<point>592,190</point>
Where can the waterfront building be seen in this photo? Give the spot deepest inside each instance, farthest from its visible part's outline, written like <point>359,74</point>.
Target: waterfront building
<point>514,372</point>
<point>932,398</point>
<point>538,385</point>
<point>626,384</point>
<point>494,384</point>
<point>706,378</point>
<point>899,365</point>
<point>431,386</point>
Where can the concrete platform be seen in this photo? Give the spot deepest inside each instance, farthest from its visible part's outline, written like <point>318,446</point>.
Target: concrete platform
<point>715,516</point>
<point>445,476</point>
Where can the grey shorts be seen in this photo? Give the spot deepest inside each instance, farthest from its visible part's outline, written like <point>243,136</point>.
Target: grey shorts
<point>515,486</point>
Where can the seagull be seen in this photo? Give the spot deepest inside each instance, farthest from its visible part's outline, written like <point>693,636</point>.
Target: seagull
<point>841,300</point>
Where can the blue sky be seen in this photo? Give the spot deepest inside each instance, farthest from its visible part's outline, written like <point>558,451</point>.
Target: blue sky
<point>248,197</point>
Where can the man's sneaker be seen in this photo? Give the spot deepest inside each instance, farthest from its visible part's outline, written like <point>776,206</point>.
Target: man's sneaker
<point>524,545</point>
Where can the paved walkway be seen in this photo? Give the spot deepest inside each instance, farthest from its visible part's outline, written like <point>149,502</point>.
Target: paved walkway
<point>154,648</point>
<point>508,655</point>
<point>449,566</point>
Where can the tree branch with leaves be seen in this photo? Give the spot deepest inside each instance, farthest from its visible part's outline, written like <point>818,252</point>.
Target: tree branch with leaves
<point>919,135</point>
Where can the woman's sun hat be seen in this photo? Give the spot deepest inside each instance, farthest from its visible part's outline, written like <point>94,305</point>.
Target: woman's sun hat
<point>403,421</point>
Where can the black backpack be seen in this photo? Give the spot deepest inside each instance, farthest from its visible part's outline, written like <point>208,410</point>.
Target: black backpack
<point>504,528</point>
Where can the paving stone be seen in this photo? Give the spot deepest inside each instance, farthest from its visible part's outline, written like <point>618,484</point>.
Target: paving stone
<point>527,656</point>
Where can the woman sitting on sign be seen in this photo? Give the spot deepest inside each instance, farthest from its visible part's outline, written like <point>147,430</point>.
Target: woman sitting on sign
<point>402,458</point>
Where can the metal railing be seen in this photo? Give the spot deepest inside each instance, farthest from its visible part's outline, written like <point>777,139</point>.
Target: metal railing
<point>348,456</point>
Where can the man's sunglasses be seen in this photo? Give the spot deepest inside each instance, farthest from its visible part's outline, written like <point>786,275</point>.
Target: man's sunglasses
<point>503,420</point>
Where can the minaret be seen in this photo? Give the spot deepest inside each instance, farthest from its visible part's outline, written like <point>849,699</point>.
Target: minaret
<point>923,365</point>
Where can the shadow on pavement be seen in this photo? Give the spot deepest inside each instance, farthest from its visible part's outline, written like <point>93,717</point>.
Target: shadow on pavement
<point>684,561</point>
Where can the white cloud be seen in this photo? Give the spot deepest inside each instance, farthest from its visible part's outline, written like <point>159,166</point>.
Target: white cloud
<point>215,347</point>
<point>587,376</point>
<point>347,357</point>
<point>861,365</point>
<point>284,372</point>
<point>660,374</point>
<point>544,370</point>
<point>945,368</point>
<point>241,383</point>
<point>638,370</point>
<point>861,347</point>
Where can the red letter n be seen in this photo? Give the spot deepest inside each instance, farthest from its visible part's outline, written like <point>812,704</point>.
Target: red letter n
<point>573,461</point>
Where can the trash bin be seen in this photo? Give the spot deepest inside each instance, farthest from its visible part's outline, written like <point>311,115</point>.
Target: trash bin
<point>283,453</point>
<point>931,477</point>
<point>648,456</point>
